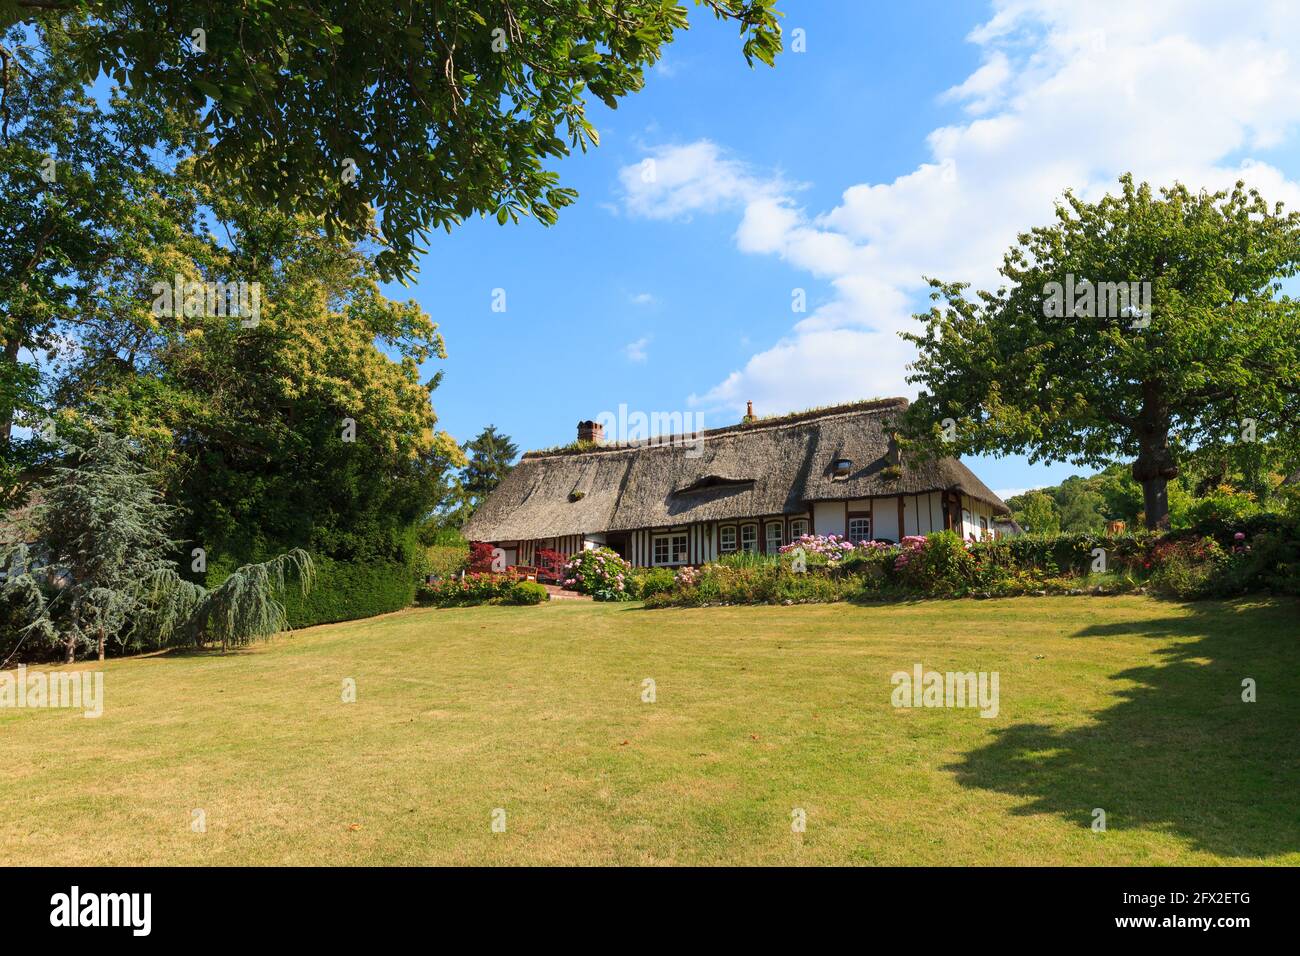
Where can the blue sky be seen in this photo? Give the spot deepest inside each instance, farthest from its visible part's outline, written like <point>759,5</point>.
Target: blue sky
<point>908,140</point>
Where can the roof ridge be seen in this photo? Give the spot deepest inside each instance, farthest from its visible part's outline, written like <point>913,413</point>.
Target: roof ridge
<point>761,424</point>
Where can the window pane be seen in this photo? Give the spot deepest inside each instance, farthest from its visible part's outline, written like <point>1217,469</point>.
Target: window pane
<point>749,537</point>
<point>679,549</point>
<point>775,536</point>
<point>798,528</point>
<point>661,550</point>
<point>727,539</point>
<point>859,529</point>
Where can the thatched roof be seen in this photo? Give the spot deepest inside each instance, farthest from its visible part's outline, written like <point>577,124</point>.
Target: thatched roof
<point>768,466</point>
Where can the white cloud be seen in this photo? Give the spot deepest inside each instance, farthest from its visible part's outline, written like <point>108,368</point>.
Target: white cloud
<point>1068,95</point>
<point>642,298</point>
<point>636,351</point>
<point>983,89</point>
<point>674,181</point>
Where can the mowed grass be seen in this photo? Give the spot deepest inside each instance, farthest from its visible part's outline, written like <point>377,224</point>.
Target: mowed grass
<point>1126,704</point>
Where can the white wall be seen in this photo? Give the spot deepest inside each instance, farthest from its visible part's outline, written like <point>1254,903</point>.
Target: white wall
<point>886,524</point>
<point>829,517</point>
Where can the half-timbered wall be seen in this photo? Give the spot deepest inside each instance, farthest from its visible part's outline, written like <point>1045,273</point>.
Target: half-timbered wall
<point>920,514</point>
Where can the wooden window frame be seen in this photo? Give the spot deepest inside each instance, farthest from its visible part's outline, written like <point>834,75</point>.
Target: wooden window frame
<point>670,537</point>
<point>741,538</point>
<point>767,542</point>
<point>735,539</point>
<point>858,516</point>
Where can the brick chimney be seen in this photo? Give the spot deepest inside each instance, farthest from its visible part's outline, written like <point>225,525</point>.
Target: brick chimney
<point>591,431</point>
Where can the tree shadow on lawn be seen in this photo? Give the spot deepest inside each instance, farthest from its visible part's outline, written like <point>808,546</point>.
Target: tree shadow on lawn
<point>1181,753</point>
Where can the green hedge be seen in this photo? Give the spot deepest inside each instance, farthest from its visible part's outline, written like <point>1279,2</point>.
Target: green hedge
<point>347,591</point>
<point>343,591</point>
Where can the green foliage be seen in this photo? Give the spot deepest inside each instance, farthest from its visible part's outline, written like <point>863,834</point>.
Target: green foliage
<point>1036,512</point>
<point>1188,565</point>
<point>601,572</point>
<point>1222,344</point>
<point>480,588</point>
<point>445,561</point>
<point>346,590</point>
<point>429,112</point>
<point>748,559</point>
<point>100,569</point>
<point>100,533</point>
<point>88,196</point>
<point>527,592</point>
<point>645,582</point>
<point>488,459</point>
<point>940,564</point>
<point>1211,488</point>
<point>244,607</point>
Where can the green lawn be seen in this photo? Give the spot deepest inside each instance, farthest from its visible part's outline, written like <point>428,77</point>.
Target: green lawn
<point>1128,704</point>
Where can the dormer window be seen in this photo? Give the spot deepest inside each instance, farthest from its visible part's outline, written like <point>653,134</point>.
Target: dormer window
<point>840,468</point>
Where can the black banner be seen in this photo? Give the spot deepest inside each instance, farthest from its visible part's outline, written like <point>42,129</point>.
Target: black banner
<point>334,906</point>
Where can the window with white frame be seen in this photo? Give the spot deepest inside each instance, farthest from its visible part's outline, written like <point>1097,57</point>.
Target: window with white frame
<point>775,537</point>
<point>859,528</point>
<point>749,537</point>
<point>670,548</point>
<point>727,539</point>
<point>798,528</point>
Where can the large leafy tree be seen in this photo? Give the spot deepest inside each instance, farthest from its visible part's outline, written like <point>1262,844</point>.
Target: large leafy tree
<point>88,201</point>
<point>311,426</point>
<point>428,112</point>
<point>1214,361</point>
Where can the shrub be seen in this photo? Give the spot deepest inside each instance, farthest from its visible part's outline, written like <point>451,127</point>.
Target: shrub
<point>446,560</point>
<point>600,572</point>
<point>1222,507</point>
<point>527,592</point>
<point>549,562</point>
<point>650,581</point>
<point>480,557</point>
<point>936,564</point>
<point>471,589</point>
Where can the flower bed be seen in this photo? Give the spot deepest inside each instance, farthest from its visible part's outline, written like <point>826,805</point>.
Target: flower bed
<point>480,588</point>
<point>815,568</point>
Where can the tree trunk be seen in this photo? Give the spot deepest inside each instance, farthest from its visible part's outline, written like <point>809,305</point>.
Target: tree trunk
<point>1155,465</point>
<point>101,643</point>
<point>71,648</point>
<point>12,347</point>
<point>1155,499</point>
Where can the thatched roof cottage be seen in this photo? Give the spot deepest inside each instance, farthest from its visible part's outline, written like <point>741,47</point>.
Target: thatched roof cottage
<point>687,499</point>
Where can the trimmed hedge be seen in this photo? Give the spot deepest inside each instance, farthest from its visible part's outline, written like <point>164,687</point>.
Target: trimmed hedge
<point>342,591</point>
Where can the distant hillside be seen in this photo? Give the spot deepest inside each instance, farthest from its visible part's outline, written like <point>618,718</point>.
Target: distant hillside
<point>1253,481</point>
